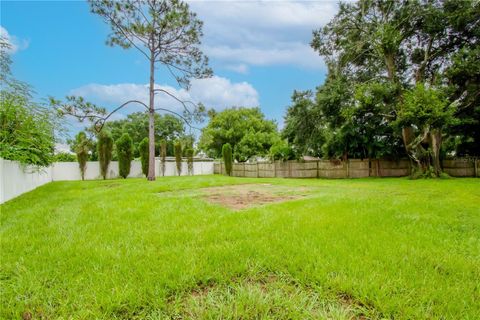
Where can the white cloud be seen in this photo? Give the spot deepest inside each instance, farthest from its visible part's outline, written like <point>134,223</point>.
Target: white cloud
<point>215,92</point>
<point>239,68</point>
<point>15,43</point>
<point>263,32</point>
<point>283,53</point>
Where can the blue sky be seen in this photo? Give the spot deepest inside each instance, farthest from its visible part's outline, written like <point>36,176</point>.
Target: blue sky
<point>259,52</point>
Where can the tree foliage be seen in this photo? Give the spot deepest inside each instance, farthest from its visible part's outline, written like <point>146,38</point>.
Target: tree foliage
<point>143,150</point>
<point>167,127</point>
<point>27,129</point>
<point>281,150</point>
<point>227,158</point>
<point>379,54</point>
<point>166,32</point>
<point>245,129</point>
<point>125,154</point>
<point>64,157</point>
<point>429,113</point>
<point>104,148</point>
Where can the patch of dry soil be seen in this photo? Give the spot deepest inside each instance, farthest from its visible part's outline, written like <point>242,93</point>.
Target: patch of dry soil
<point>243,196</point>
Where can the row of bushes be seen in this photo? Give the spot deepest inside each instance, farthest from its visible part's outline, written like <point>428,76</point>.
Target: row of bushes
<point>124,148</point>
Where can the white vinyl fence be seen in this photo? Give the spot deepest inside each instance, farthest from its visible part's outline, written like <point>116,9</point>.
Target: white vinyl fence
<point>16,179</point>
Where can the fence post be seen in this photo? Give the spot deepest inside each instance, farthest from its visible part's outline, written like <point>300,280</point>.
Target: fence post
<point>318,175</point>
<point>475,167</point>
<point>256,165</point>
<point>274,169</point>
<point>348,167</point>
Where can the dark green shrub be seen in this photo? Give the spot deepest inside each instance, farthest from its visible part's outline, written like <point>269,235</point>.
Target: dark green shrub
<point>227,158</point>
<point>189,154</point>
<point>104,147</point>
<point>143,150</point>
<point>178,156</point>
<point>163,155</point>
<point>82,147</point>
<point>125,154</point>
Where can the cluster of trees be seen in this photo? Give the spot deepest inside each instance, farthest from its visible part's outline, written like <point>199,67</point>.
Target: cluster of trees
<point>167,34</point>
<point>246,130</point>
<point>168,129</point>
<point>403,80</point>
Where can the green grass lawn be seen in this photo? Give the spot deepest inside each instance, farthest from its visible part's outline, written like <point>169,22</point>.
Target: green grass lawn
<point>128,249</point>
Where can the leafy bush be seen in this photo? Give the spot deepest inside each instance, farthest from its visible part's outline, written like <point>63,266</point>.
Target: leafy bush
<point>104,147</point>
<point>189,154</point>
<point>281,150</point>
<point>26,129</point>
<point>227,157</point>
<point>178,156</point>
<point>26,133</point>
<point>163,155</point>
<point>125,154</point>
<point>143,150</point>
<point>64,157</point>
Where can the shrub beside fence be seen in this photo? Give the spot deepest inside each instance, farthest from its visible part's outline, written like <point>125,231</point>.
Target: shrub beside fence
<point>336,169</point>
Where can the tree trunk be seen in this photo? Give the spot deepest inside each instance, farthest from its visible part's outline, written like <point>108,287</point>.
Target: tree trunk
<point>151,122</point>
<point>435,143</point>
<point>407,137</point>
<point>390,64</point>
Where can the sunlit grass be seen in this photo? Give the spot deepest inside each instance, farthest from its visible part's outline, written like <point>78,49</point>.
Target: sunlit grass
<point>379,248</point>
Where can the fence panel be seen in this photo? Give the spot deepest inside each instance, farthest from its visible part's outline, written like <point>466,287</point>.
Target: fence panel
<point>336,169</point>
<point>459,167</point>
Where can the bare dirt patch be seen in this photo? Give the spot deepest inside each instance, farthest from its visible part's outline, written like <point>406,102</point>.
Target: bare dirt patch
<point>243,196</point>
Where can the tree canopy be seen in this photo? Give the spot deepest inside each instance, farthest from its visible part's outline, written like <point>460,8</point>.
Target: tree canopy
<point>167,127</point>
<point>245,129</point>
<point>389,61</point>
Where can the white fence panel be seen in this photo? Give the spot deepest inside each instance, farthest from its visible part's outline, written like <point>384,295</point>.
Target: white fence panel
<point>17,179</point>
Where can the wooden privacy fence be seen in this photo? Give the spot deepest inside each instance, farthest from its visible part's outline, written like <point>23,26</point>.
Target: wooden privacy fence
<point>336,169</point>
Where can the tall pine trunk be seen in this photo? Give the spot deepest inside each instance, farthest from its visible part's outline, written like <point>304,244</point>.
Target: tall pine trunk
<point>151,121</point>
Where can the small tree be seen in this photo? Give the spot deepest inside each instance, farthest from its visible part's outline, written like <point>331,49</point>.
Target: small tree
<point>125,154</point>
<point>189,154</point>
<point>104,147</point>
<point>143,149</point>
<point>82,147</point>
<point>163,155</point>
<point>227,157</point>
<point>178,156</point>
